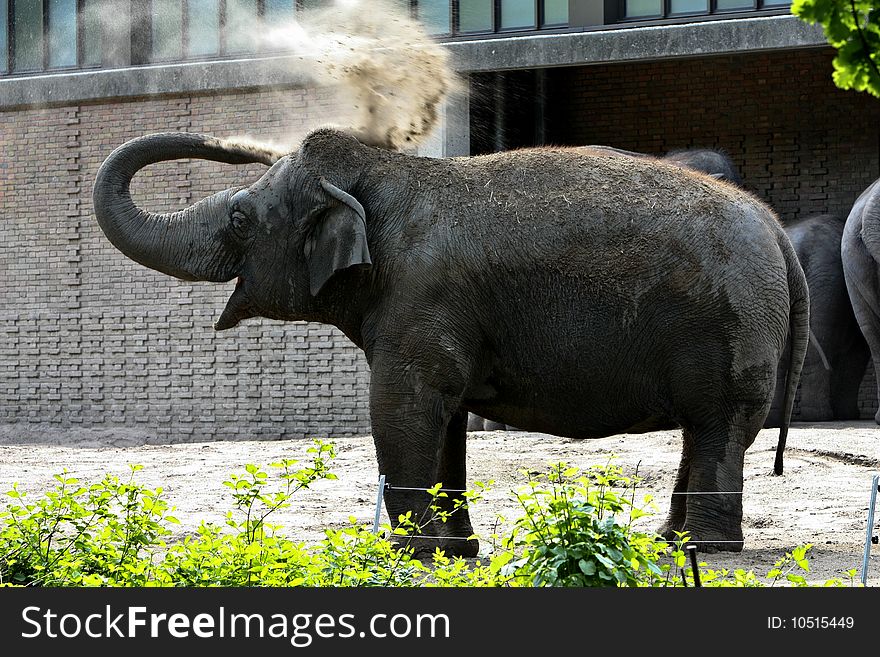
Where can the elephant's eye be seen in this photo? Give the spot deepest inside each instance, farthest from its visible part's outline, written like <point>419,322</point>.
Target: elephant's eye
<point>239,223</point>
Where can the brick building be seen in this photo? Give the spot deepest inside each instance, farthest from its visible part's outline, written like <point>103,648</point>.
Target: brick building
<point>93,345</point>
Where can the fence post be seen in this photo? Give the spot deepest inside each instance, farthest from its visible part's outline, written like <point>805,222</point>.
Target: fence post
<point>379,503</point>
<point>695,566</point>
<point>871,506</point>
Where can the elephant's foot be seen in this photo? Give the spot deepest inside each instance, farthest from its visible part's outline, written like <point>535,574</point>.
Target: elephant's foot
<point>706,541</point>
<point>877,417</point>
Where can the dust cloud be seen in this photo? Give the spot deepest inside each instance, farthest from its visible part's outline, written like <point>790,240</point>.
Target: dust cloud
<point>389,75</point>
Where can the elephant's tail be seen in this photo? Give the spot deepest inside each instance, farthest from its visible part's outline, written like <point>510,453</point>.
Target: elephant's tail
<point>799,338</point>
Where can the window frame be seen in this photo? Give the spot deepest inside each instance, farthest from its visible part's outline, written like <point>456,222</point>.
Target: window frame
<point>223,52</point>
<point>713,10</point>
<point>44,41</point>
<point>496,10</point>
<point>141,41</point>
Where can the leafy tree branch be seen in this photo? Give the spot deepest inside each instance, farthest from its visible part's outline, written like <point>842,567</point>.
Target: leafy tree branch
<point>852,27</point>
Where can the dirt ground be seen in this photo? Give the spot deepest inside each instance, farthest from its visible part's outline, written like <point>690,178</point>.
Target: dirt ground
<point>822,498</point>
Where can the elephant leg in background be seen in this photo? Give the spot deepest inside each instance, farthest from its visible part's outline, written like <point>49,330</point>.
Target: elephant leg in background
<point>475,422</point>
<point>846,378</point>
<point>863,283</point>
<point>815,390</point>
<point>420,440</point>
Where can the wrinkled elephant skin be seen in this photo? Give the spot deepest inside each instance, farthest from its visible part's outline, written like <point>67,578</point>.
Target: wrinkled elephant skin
<point>838,354</point>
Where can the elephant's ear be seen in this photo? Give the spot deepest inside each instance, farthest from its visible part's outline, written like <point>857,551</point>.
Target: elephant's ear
<point>338,240</point>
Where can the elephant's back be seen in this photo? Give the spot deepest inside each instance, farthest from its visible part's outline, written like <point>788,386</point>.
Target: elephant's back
<point>613,232</point>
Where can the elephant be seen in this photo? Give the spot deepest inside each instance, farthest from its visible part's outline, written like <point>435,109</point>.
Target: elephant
<point>836,359</point>
<point>710,161</point>
<point>860,253</point>
<point>613,309</point>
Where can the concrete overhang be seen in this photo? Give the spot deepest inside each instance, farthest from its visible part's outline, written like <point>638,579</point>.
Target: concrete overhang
<point>713,37</point>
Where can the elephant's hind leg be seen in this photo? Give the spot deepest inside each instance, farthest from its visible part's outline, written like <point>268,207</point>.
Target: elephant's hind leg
<point>713,499</point>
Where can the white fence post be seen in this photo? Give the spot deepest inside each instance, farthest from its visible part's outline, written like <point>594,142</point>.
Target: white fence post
<point>868,537</point>
<point>379,503</point>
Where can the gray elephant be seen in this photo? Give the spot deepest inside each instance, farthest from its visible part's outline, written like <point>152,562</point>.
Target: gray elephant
<point>627,296</point>
<point>838,354</point>
<point>860,252</point>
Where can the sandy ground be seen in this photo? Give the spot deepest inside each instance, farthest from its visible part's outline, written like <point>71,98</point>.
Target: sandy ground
<point>822,498</point>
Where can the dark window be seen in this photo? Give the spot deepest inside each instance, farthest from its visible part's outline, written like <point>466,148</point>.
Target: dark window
<point>555,13</point>
<point>92,33</point>
<point>475,15</point>
<point>467,17</point>
<point>688,6</point>
<point>197,29</point>
<point>436,16</point>
<point>62,33</point>
<point>27,35</point>
<point>727,5</point>
<point>275,11</point>
<point>49,34</point>
<point>518,14</point>
<point>240,20</point>
<point>166,19</point>
<point>644,9</point>
<point>203,21</point>
<point>4,40</point>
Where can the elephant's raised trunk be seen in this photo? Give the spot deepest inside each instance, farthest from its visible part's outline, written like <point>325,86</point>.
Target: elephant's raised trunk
<point>188,244</point>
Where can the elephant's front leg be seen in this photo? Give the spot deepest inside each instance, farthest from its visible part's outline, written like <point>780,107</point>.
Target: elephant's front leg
<point>420,432</point>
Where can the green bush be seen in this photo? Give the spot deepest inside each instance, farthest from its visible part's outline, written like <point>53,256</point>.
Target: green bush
<point>77,535</point>
<point>571,533</point>
<point>576,530</point>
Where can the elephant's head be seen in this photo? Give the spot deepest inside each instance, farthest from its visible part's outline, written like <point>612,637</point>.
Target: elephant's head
<point>283,238</point>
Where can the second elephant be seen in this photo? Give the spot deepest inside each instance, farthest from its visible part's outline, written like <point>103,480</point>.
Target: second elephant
<point>838,354</point>
<point>707,160</point>
<point>860,252</point>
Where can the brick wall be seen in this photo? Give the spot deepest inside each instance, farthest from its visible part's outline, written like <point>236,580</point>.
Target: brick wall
<point>800,143</point>
<point>90,341</point>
